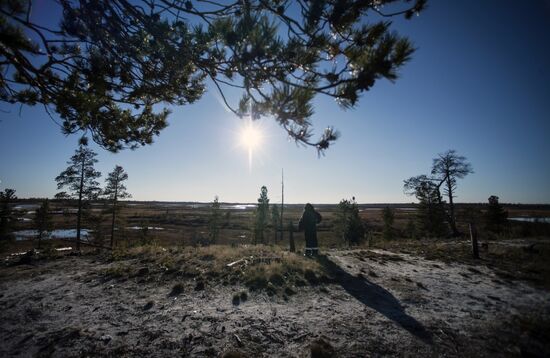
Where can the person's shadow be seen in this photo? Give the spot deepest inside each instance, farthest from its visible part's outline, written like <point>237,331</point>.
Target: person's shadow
<point>377,298</point>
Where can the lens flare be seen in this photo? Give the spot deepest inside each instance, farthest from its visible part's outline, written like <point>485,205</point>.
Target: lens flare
<point>251,138</point>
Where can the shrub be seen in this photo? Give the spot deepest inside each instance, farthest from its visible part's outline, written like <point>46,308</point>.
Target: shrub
<point>348,222</point>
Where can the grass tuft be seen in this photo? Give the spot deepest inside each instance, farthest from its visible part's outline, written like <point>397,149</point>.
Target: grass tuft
<point>177,289</point>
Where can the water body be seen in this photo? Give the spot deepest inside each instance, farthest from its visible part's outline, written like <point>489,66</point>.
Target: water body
<point>238,206</point>
<point>26,207</point>
<point>143,227</point>
<point>55,234</point>
<point>531,219</point>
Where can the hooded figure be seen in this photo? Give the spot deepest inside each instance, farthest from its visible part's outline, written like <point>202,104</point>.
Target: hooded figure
<point>308,223</point>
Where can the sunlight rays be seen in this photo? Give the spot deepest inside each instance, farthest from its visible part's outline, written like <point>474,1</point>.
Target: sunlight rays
<point>251,137</point>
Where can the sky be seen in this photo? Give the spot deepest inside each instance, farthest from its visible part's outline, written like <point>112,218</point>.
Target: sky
<point>478,83</point>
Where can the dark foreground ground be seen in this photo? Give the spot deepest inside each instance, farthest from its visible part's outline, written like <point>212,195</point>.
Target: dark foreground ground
<point>361,303</point>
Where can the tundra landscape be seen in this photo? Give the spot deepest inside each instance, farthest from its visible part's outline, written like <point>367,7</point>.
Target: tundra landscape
<point>165,289</point>
<point>274,178</point>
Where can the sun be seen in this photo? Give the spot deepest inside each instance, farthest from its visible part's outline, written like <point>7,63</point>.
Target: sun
<point>251,137</point>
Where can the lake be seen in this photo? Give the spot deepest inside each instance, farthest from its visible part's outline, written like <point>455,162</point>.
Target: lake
<point>54,234</point>
<point>531,219</point>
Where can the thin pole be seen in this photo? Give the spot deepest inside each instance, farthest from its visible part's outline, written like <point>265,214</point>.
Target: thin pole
<point>282,201</point>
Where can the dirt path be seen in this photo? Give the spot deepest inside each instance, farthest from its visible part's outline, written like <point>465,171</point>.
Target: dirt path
<point>379,304</point>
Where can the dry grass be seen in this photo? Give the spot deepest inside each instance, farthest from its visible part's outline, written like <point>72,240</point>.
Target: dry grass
<point>258,267</point>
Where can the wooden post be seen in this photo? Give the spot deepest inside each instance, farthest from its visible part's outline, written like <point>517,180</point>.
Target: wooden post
<point>473,237</point>
<point>291,237</point>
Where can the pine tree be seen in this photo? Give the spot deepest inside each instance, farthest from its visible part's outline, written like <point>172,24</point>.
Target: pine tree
<point>495,217</point>
<point>348,223</point>
<point>43,220</point>
<point>114,66</point>
<point>115,190</point>
<point>214,222</point>
<point>261,216</point>
<point>80,180</point>
<point>6,218</point>
<point>446,169</point>
<point>430,213</point>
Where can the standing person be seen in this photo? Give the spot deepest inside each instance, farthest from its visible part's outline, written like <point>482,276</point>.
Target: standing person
<point>308,223</point>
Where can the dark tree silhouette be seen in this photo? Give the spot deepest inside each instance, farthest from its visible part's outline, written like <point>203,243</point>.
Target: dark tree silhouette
<point>80,180</point>
<point>495,217</point>
<point>431,213</point>
<point>447,168</point>
<point>348,223</point>
<point>6,220</point>
<point>261,216</point>
<point>109,63</point>
<point>115,190</point>
<point>43,220</point>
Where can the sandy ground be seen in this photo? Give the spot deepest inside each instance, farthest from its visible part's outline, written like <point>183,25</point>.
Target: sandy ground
<point>379,304</point>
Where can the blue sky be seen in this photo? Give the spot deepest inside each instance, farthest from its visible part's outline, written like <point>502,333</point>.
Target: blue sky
<point>479,83</point>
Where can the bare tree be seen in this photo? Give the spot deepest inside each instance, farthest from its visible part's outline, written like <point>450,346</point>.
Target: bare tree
<point>80,180</point>
<point>115,190</point>
<point>446,169</point>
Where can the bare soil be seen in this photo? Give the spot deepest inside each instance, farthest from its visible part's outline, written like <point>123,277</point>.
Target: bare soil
<point>376,303</point>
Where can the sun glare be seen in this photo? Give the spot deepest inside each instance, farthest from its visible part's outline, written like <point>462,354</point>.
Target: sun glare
<point>251,137</point>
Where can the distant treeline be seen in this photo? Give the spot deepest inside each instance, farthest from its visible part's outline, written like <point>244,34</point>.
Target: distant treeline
<point>325,205</point>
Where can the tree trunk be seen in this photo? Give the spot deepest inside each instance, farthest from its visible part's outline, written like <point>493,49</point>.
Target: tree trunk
<point>451,207</point>
<point>114,214</point>
<point>79,213</point>
<point>113,225</point>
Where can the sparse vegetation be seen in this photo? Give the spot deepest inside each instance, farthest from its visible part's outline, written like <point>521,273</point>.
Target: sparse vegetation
<point>389,216</point>
<point>118,270</point>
